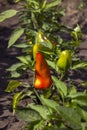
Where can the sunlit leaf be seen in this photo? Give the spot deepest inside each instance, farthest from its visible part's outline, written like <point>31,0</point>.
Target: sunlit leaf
<point>12,85</point>
<point>81,101</point>
<point>80,65</point>
<point>76,34</point>
<point>16,98</point>
<point>72,90</point>
<point>44,4</point>
<point>7,14</point>
<point>61,87</point>
<point>52,64</point>
<point>15,66</point>
<point>76,95</point>
<point>84,83</point>
<point>15,36</point>
<point>77,29</point>
<point>23,59</point>
<point>79,98</point>
<point>22,45</point>
<point>28,93</point>
<point>15,74</point>
<point>83,113</point>
<point>52,4</point>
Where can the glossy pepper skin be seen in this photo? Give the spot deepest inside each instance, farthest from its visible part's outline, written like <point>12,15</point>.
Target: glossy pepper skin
<point>42,44</point>
<point>64,61</point>
<point>42,38</point>
<point>42,73</point>
<point>36,48</point>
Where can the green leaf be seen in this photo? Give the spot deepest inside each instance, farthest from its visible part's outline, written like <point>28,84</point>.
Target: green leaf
<point>51,63</point>
<point>23,59</point>
<point>80,65</point>
<point>7,14</point>
<point>16,99</point>
<point>79,98</point>
<point>76,34</point>
<point>82,113</point>
<point>34,20</point>
<point>82,101</point>
<point>53,128</point>
<point>71,117</point>
<point>72,90</point>
<point>61,87</point>
<point>12,85</point>
<point>76,95</point>
<point>77,29</point>
<point>22,45</point>
<point>60,40</point>
<point>42,110</point>
<point>15,36</point>
<point>50,103</point>
<point>27,114</point>
<point>33,3</point>
<point>44,4</point>
<point>15,66</point>
<point>84,126</point>
<point>28,93</point>
<point>47,44</point>
<point>15,74</point>
<point>84,83</point>
<point>32,125</point>
<point>52,4</point>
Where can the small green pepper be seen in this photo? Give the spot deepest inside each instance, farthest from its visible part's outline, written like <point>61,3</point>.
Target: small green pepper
<point>64,61</point>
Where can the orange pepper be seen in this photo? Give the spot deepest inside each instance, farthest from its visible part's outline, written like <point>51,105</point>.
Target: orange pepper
<point>42,73</point>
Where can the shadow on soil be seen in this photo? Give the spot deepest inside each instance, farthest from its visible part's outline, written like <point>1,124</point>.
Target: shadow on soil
<point>7,56</point>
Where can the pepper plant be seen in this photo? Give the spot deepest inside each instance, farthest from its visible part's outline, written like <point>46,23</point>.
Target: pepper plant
<point>55,103</point>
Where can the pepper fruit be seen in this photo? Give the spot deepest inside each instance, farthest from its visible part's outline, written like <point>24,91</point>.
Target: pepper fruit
<point>64,61</point>
<point>42,44</point>
<point>41,38</point>
<point>37,47</point>
<point>42,73</point>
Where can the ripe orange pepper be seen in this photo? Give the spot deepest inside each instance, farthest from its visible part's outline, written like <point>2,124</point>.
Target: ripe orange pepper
<point>42,73</point>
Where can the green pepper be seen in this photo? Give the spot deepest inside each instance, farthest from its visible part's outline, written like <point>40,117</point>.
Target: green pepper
<point>64,61</point>
<point>42,44</point>
<point>37,47</point>
<point>41,38</point>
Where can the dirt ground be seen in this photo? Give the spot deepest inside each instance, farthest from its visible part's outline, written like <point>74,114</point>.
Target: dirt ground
<point>73,16</point>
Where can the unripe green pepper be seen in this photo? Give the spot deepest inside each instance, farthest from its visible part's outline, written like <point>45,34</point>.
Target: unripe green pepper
<point>41,38</point>
<point>37,47</point>
<point>64,61</point>
<point>42,44</point>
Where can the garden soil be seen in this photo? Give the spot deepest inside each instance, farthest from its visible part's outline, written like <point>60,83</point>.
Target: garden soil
<point>75,13</point>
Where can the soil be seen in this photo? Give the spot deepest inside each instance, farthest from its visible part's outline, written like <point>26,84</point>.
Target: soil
<point>73,15</point>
